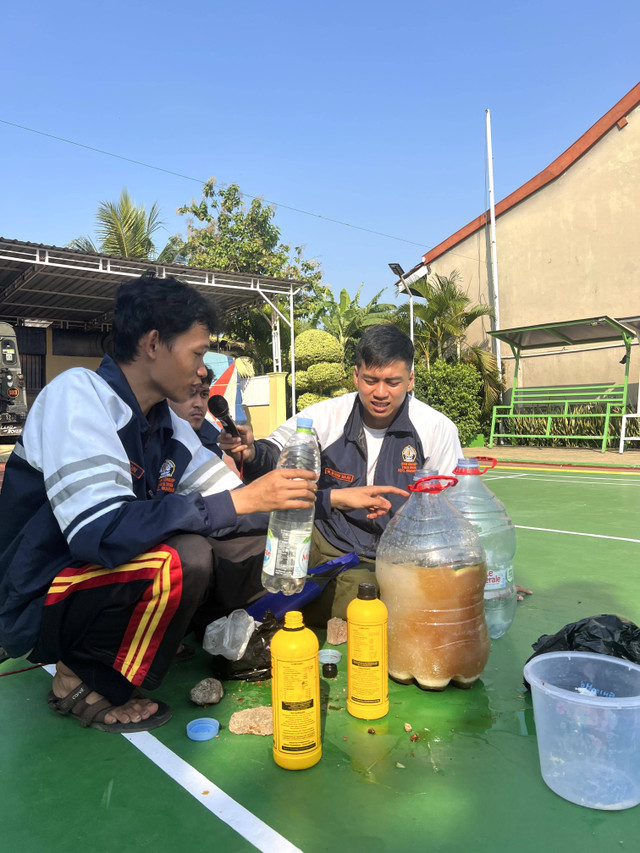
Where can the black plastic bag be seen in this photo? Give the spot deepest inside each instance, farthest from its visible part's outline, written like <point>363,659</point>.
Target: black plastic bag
<point>603,635</point>
<point>255,663</point>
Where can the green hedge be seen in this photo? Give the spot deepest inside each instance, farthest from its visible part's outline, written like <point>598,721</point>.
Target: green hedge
<point>454,390</point>
<point>564,429</point>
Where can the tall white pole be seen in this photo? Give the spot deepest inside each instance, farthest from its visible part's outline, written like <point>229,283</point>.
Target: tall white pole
<point>492,232</point>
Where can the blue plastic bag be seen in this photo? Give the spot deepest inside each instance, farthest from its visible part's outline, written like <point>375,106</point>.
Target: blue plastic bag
<point>317,579</point>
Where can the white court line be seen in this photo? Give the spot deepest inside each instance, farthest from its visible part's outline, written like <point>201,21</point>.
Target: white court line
<point>246,824</point>
<point>220,804</point>
<point>590,481</point>
<point>575,533</point>
<point>504,477</point>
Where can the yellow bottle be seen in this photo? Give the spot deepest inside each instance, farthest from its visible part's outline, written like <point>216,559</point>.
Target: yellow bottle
<point>295,695</point>
<point>367,671</point>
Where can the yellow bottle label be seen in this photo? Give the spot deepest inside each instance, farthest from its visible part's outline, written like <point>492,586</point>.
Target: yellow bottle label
<point>296,712</point>
<point>368,682</point>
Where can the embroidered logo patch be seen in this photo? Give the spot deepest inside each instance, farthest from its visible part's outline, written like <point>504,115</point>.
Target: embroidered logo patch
<point>167,468</point>
<point>167,484</point>
<point>339,475</point>
<point>409,460</point>
<point>136,470</point>
<point>409,454</point>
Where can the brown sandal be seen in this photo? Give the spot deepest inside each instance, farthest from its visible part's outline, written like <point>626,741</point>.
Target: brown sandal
<point>92,716</point>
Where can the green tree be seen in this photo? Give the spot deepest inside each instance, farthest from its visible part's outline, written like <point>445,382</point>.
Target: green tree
<point>440,327</point>
<point>239,239</point>
<point>440,324</point>
<point>126,230</point>
<point>223,234</point>
<point>345,318</point>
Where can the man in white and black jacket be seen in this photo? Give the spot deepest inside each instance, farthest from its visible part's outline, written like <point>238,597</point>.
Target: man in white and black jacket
<point>378,436</point>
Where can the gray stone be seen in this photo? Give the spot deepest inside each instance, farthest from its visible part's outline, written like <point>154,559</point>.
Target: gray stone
<point>209,691</point>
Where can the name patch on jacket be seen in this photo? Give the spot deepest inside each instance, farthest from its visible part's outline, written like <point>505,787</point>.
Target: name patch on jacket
<point>409,460</point>
<point>166,481</point>
<point>339,475</point>
<point>136,470</point>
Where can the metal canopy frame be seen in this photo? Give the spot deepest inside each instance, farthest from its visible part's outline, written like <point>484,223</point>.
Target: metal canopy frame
<point>591,330</point>
<point>50,285</point>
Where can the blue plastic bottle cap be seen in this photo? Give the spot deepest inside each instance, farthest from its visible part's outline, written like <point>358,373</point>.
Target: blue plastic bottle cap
<point>204,728</point>
<point>305,423</point>
<point>329,656</point>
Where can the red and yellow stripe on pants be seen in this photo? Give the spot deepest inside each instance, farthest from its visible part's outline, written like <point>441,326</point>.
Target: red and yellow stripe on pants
<point>152,613</point>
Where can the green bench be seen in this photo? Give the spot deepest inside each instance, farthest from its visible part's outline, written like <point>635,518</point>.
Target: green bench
<point>551,403</point>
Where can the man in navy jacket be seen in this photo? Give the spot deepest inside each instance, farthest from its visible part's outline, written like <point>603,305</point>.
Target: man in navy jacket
<point>106,508</point>
<point>376,436</point>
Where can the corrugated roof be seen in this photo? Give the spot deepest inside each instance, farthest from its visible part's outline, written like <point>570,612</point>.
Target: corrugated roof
<point>591,330</point>
<point>76,289</point>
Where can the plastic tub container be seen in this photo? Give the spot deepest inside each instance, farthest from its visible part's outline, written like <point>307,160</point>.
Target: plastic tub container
<point>587,713</point>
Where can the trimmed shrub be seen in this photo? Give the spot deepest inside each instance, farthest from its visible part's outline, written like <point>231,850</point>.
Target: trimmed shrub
<point>454,390</point>
<point>303,381</point>
<point>320,356</point>
<point>315,346</point>
<point>308,399</point>
<point>325,374</point>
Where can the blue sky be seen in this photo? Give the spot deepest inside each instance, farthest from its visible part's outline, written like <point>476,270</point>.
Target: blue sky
<point>368,113</point>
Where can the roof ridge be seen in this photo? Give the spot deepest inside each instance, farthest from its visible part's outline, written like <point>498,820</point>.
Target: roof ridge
<point>556,168</point>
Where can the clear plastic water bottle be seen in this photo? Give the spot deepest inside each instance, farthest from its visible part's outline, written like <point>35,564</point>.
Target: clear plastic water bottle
<point>487,514</point>
<point>286,556</point>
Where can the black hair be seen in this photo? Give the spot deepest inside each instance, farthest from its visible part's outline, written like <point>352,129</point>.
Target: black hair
<point>209,378</point>
<point>382,344</point>
<point>167,304</point>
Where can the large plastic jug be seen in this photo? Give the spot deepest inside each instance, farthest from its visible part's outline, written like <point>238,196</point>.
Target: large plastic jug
<point>487,514</point>
<point>430,566</point>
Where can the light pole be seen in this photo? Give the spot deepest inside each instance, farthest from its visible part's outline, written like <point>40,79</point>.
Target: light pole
<point>396,269</point>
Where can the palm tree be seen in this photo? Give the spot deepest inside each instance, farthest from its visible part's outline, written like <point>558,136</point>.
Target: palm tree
<point>126,230</point>
<point>440,326</point>
<point>346,319</point>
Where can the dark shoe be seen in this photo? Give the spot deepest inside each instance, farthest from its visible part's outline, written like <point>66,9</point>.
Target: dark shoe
<point>92,716</point>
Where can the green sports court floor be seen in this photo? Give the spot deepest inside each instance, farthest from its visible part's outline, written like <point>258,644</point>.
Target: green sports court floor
<point>470,782</point>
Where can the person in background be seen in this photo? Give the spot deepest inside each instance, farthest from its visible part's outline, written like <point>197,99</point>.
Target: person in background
<point>377,436</point>
<point>194,410</point>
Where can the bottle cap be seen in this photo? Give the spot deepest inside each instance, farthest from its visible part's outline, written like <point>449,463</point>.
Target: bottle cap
<point>424,472</point>
<point>329,670</point>
<point>204,728</point>
<point>329,656</point>
<point>468,463</point>
<point>305,423</point>
<point>366,591</point>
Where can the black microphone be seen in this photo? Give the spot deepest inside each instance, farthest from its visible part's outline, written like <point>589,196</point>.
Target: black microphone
<point>219,408</point>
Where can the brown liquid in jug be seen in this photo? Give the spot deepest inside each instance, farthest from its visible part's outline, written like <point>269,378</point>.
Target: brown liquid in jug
<point>437,629</point>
